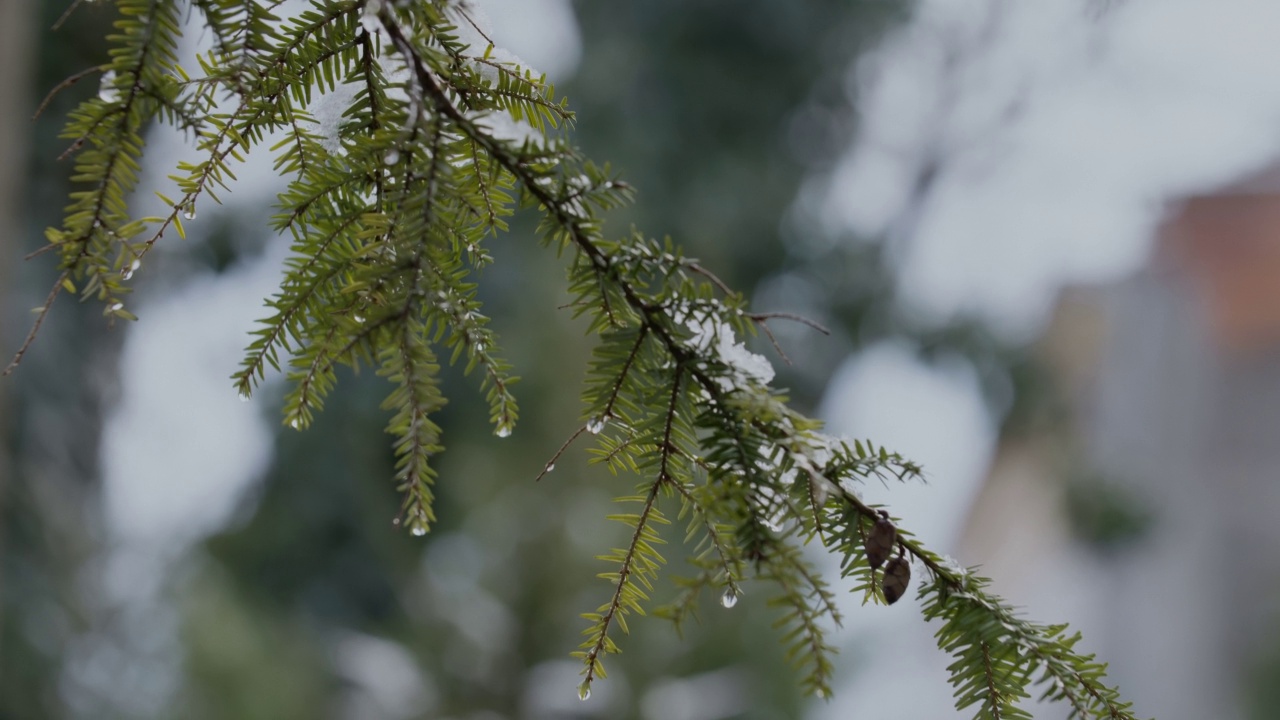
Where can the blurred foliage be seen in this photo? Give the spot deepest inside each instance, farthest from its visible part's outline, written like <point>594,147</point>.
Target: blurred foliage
<point>49,524</point>
<point>1105,515</point>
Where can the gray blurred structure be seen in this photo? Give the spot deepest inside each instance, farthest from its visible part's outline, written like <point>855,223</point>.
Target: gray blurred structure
<point>15,62</point>
<point>1145,507</point>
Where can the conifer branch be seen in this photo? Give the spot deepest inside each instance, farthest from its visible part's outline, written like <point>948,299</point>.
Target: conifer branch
<point>639,561</point>
<point>389,216</point>
<point>993,699</point>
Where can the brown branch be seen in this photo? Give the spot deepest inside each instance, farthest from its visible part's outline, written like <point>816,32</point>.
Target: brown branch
<point>473,24</point>
<point>724,288</point>
<point>764,325</point>
<point>44,104</point>
<point>35,327</point>
<point>37,253</point>
<point>622,376</point>
<point>66,14</point>
<point>552,462</point>
<point>761,317</point>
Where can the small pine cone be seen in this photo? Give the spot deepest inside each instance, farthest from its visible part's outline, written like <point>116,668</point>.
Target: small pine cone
<point>880,541</point>
<point>897,577</point>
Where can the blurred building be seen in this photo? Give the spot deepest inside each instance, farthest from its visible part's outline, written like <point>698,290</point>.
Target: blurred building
<point>1143,502</point>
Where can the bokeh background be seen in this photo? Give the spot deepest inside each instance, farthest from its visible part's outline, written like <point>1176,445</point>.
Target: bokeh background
<point>1045,237</point>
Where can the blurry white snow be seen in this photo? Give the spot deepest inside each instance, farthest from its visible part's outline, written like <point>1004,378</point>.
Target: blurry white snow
<point>712,695</point>
<point>1057,131</point>
<point>180,446</point>
<point>934,415</point>
<point>1059,128</point>
<point>542,32</point>
<point>551,691</point>
<point>384,681</point>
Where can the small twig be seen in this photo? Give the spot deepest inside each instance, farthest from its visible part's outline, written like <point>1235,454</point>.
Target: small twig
<point>37,253</point>
<point>73,147</point>
<point>66,14</point>
<point>724,287</point>
<point>764,325</point>
<point>473,24</point>
<point>709,524</point>
<point>626,370</point>
<point>35,328</point>
<point>552,462</point>
<point>65,83</point>
<point>762,317</point>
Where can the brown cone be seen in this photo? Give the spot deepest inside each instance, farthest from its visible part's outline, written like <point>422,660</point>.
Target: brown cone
<point>897,577</point>
<point>880,542</point>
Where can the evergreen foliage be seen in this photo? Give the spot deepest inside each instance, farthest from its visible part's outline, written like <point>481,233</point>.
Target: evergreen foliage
<point>389,215</point>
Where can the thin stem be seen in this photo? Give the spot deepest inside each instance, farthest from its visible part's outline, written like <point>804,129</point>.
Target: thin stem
<point>760,317</point>
<point>554,458</point>
<point>35,327</point>
<point>48,98</point>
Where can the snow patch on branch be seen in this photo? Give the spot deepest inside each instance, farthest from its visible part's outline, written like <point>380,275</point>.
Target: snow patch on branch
<point>715,336</point>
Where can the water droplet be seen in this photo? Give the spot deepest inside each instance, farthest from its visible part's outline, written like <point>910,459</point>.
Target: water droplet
<point>392,157</point>
<point>107,88</point>
<point>418,531</point>
<point>358,318</point>
<point>820,693</point>
<point>729,598</point>
<point>128,272</point>
<point>244,396</point>
<point>117,306</point>
<point>189,212</point>
<point>503,431</point>
<point>295,423</point>
<point>595,425</point>
<point>584,690</point>
<point>395,522</point>
<point>549,467</point>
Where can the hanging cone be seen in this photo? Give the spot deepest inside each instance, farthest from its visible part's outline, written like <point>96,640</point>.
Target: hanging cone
<point>897,578</point>
<point>880,541</point>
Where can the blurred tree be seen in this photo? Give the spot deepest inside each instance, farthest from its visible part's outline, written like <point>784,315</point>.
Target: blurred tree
<point>50,420</point>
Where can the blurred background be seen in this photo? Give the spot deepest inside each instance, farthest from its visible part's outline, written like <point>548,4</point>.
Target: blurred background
<point>1046,238</point>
